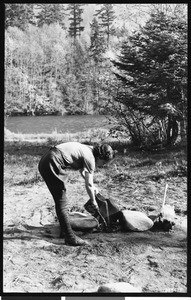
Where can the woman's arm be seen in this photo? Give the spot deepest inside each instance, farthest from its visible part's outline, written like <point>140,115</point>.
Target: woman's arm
<point>90,188</point>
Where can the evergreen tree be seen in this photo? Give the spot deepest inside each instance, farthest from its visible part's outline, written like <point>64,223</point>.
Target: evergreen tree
<point>75,27</point>
<point>107,16</point>
<point>50,13</point>
<point>19,15</point>
<point>170,9</point>
<point>11,15</point>
<point>153,71</point>
<point>97,40</point>
<point>76,83</point>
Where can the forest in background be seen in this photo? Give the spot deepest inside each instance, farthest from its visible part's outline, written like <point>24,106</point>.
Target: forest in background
<point>54,63</point>
<point>126,60</point>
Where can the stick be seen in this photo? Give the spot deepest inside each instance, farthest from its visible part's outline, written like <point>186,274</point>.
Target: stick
<point>165,195</point>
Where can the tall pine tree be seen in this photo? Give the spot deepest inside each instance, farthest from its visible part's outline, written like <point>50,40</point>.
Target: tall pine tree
<point>107,16</point>
<point>97,40</point>
<point>75,27</point>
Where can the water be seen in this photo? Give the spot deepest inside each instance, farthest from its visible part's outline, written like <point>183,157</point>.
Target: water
<point>61,124</point>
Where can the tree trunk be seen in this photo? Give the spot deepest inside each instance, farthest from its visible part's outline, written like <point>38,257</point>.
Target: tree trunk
<point>183,131</point>
<point>183,123</point>
<point>172,130</point>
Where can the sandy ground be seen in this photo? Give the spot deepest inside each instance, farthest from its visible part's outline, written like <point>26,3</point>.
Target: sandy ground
<point>36,260</point>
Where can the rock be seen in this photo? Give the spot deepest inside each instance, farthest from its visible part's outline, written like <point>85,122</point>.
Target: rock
<point>118,287</point>
<point>181,224</point>
<point>83,222</point>
<point>135,221</point>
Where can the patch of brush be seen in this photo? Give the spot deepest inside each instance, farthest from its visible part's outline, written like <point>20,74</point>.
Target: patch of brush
<point>121,177</point>
<point>147,162</point>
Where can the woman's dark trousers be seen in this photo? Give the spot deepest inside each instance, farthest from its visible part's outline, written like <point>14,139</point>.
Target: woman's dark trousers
<point>51,168</point>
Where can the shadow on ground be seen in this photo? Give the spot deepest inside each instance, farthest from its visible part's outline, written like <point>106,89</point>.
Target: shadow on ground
<point>50,233</point>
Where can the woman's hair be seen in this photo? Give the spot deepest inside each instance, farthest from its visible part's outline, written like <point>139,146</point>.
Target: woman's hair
<point>103,152</point>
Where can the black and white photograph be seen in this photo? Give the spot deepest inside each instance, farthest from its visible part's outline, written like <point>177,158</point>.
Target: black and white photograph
<point>95,149</point>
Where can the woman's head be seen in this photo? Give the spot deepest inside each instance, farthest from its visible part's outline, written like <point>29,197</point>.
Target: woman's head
<point>104,152</point>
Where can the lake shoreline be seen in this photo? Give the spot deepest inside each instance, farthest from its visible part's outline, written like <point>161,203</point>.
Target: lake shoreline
<point>59,124</point>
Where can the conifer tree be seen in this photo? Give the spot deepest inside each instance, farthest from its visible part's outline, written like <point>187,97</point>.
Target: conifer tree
<point>152,69</point>
<point>50,13</point>
<point>11,15</point>
<point>97,46</point>
<point>19,15</point>
<point>75,27</point>
<point>107,16</point>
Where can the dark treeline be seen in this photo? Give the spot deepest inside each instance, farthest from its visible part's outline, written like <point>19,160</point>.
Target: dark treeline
<point>56,63</point>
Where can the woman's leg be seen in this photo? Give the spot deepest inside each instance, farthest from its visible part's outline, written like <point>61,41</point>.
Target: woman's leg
<point>61,206</point>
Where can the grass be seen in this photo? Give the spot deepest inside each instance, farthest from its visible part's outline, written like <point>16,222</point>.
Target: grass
<point>25,150</point>
<point>56,137</point>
